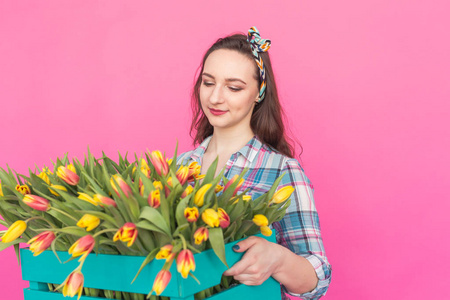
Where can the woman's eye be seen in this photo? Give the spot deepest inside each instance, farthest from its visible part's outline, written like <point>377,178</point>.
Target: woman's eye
<point>206,83</point>
<point>235,89</point>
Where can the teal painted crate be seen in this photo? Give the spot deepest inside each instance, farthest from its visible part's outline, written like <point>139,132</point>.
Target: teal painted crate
<point>115,272</point>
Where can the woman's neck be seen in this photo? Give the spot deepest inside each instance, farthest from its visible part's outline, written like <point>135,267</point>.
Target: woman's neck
<point>226,142</point>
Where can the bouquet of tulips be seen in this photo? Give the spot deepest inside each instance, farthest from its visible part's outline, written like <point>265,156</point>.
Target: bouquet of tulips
<point>148,207</point>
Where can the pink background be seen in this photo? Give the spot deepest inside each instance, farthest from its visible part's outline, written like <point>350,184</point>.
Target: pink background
<point>365,85</point>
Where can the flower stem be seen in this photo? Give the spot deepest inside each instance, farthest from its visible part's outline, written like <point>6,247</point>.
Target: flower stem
<point>64,213</point>
<point>103,231</point>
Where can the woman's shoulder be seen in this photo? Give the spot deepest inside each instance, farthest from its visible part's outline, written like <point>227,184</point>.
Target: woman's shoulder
<point>274,157</point>
<point>185,157</point>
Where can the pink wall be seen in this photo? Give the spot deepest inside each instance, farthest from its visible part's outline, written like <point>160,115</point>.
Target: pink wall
<point>365,85</point>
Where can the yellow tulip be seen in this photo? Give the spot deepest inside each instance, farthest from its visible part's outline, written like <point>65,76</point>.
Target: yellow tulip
<point>58,187</point>
<point>1,191</point>
<point>199,196</point>
<point>44,175</point>
<point>282,194</point>
<point>23,189</point>
<point>89,222</point>
<point>158,185</point>
<point>87,198</point>
<point>14,231</point>
<point>260,220</point>
<point>265,230</point>
<point>211,217</point>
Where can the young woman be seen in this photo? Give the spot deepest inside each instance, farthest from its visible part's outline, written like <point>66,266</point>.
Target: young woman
<point>237,117</point>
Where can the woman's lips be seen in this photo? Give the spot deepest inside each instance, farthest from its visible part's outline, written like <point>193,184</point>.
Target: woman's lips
<point>217,112</point>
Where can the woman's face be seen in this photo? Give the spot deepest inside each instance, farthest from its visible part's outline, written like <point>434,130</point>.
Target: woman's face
<point>229,89</point>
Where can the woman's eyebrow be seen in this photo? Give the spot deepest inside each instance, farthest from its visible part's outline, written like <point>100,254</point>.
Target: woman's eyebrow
<point>226,79</point>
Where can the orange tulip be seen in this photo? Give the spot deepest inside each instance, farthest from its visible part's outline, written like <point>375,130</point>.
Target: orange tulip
<point>36,202</point>
<point>182,174</point>
<point>127,233</point>
<point>165,252</point>
<point>233,180</point>
<point>201,235</point>
<point>224,218</point>
<point>82,247</point>
<point>218,188</point>
<point>73,284</point>
<point>160,164</point>
<point>1,190</point>
<point>154,199</point>
<point>68,174</point>
<point>122,184</point>
<point>189,189</point>
<point>41,242</point>
<point>103,200</point>
<point>191,214</point>
<point>185,262</point>
<point>161,281</point>
<point>194,171</point>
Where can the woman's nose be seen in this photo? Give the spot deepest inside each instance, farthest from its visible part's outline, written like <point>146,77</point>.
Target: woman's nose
<point>216,95</point>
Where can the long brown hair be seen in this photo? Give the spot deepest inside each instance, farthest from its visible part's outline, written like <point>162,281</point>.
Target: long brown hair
<point>267,117</point>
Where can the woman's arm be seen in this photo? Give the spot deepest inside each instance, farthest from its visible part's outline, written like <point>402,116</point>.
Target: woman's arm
<point>298,259</point>
<point>263,259</point>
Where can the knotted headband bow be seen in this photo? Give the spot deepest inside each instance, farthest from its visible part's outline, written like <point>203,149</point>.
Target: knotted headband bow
<point>259,45</point>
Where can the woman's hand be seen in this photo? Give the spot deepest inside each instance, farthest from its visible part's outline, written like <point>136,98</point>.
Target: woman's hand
<point>261,260</point>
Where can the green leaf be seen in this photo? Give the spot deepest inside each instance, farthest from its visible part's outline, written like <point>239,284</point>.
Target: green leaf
<point>3,246</point>
<point>153,216</point>
<point>211,171</point>
<point>148,259</point>
<point>180,210</point>
<point>217,243</point>
<point>144,224</point>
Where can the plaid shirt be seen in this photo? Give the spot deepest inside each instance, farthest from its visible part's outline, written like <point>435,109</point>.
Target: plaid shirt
<point>299,230</point>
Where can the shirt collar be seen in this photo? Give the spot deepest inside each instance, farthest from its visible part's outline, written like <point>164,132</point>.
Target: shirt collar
<point>249,151</point>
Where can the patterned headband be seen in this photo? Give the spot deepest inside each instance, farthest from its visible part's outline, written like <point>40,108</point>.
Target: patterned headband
<point>259,45</point>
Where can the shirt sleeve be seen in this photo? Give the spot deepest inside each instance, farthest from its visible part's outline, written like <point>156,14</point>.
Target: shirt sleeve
<point>299,230</point>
